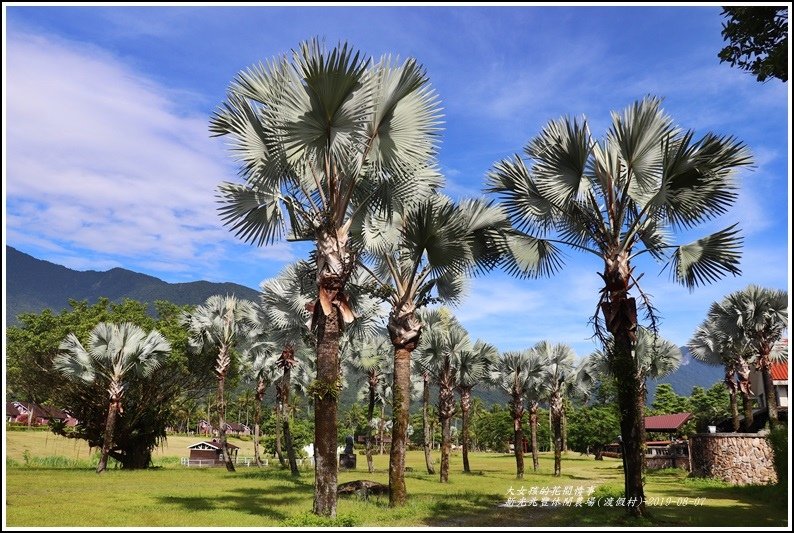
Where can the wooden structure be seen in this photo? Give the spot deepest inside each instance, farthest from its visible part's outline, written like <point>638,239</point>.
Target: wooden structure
<point>209,453</point>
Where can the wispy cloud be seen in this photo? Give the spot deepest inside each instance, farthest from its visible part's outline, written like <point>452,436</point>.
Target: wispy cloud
<point>100,158</point>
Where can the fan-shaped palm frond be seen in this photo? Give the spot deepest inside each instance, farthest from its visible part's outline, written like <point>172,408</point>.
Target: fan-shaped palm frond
<point>116,353</point>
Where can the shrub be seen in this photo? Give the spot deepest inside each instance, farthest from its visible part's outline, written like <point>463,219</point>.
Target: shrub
<point>778,439</point>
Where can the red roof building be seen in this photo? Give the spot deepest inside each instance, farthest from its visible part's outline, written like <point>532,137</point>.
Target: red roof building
<point>780,372</point>
<point>666,423</point>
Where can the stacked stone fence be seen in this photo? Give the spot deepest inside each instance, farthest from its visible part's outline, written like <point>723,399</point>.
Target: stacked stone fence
<point>737,458</point>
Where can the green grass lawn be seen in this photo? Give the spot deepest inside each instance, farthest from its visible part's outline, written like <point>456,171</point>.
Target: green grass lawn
<point>172,495</point>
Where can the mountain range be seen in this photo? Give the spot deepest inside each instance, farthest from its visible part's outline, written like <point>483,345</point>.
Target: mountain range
<point>33,285</point>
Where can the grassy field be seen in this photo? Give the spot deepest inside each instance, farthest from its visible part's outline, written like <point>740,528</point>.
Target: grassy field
<point>172,495</point>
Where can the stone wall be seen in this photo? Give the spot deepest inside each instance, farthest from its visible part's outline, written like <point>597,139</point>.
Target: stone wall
<point>738,458</point>
<point>653,462</point>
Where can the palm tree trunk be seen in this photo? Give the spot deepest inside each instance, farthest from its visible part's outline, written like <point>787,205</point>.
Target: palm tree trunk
<point>769,391</point>
<point>401,403</point>
<point>743,371</point>
<point>381,428</point>
<point>533,428</point>
<point>107,442</point>
<point>279,431</point>
<point>555,407</point>
<point>749,420</point>
<point>260,395</point>
<point>518,435</point>
<point>735,412</point>
<point>620,317</point>
<point>227,457</point>
<point>325,407</point>
<point>284,400</point>
<point>446,441</point>
<point>293,462</point>
<point>446,409</point>
<point>730,382</point>
<point>428,433</point>
<point>370,416</point>
<point>465,406</point>
<point>564,430</point>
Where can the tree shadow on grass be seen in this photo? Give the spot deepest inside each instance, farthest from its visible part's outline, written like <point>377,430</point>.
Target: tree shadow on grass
<point>472,509</point>
<point>271,475</point>
<point>706,503</point>
<point>250,501</point>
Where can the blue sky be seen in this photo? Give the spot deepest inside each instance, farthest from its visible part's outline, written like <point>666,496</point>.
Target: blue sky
<point>109,163</point>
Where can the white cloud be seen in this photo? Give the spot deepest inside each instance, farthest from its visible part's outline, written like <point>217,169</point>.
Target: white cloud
<point>100,158</point>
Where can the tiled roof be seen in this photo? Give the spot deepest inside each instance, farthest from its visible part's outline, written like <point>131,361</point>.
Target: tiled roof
<point>666,422</point>
<point>215,444</point>
<point>780,371</point>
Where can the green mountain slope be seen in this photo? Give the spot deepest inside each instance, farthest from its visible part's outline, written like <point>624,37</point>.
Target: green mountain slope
<point>33,285</point>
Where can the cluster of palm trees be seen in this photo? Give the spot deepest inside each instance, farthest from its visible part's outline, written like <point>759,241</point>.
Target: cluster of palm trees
<point>745,328</point>
<point>340,149</point>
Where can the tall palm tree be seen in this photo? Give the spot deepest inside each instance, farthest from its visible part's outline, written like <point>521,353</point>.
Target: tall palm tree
<point>514,373</point>
<point>116,353</point>
<point>655,357</point>
<point>263,369</point>
<point>558,365</point>
<point>535,369</point>
<point>617,199</point>
<point>218,325</point>
<point>370,360</point>
<point>424,251</point>
<point>440,347</point>
<point>759,316</point>
<point>322,140</point>
<point>471,368</point>
<point>712,345</point>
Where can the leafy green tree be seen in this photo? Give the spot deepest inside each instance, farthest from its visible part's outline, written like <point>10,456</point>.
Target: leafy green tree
<point>591,428</point>
<point>757,38</point>
<point>116,352</point>
<point>666,401</point>
<point>617,199</point>
<point>217,326</point>
<point>323,140</point>
<point>709,406</point>
<point>494,428</point>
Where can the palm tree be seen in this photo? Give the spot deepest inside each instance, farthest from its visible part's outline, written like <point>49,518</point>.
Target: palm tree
<point>712,345</point>
<point>759,316</point>
<point>558,365</point>
<point>116,352</point>
<point>438,350</point>
<point>471,368</point>
<point>617,199</point>
<point>218,325</point>
<point>370,359</point>
<point>535,367</point>
<point>655,357</point>
<point>427,249</point>
<point>514,373</point>
<point>323,140</point>
<point>284,322</point>
<point>263,370</point>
